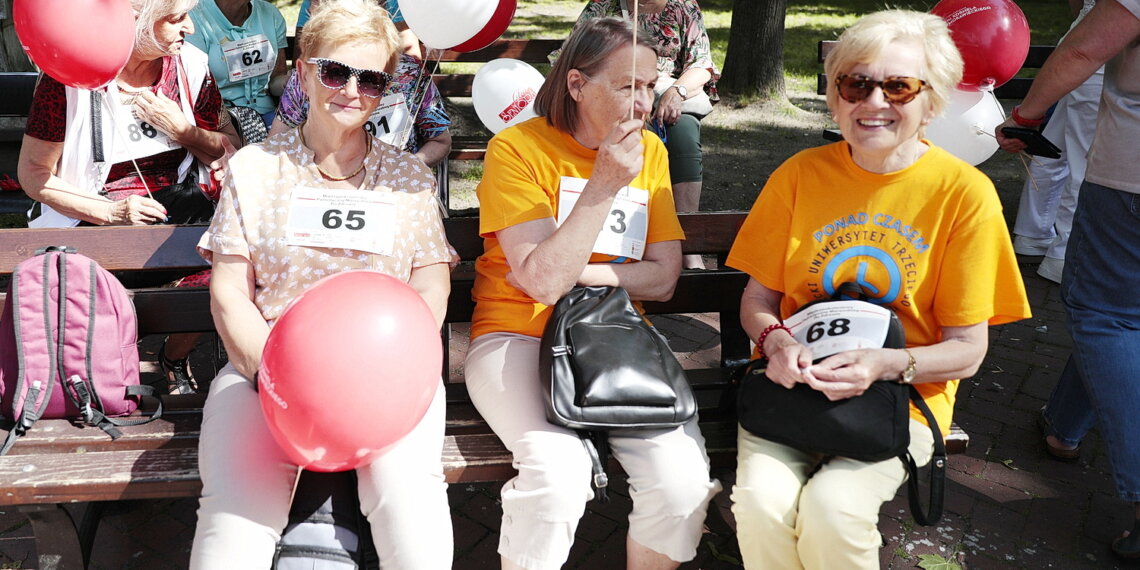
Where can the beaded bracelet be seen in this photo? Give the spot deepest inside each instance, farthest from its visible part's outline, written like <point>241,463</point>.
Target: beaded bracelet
<point>764,335</point>
<point>1031,123</point>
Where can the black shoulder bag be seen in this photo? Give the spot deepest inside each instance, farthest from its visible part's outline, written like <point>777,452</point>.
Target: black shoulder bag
<point>603,367</point>
<point>873,426</point>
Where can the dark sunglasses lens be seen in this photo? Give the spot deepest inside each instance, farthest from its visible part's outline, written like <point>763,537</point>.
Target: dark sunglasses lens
<point>333,74</point>
<point>371,83</point>
<point>854,88</point>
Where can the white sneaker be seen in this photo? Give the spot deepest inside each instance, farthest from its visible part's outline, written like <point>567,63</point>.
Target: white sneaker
<point>1025,245</point>
<point>1051,269</point>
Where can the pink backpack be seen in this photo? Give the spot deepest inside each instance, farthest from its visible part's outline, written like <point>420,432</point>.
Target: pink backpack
<point>68,346</point>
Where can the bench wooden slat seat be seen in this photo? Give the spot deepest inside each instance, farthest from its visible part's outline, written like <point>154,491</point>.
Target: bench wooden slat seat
<point>58,463</point>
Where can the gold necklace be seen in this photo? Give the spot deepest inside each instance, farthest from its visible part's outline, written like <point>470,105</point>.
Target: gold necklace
<point>363,159</point>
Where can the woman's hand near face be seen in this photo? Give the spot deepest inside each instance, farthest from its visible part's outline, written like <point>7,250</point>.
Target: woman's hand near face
<point>619,158</point>
<point>164,113</point>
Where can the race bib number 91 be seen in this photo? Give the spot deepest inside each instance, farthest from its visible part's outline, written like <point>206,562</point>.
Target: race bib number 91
<point>834,327</point>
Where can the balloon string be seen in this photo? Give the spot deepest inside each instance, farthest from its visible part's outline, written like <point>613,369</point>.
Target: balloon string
<point>633,70</point>
<point>420,91</point>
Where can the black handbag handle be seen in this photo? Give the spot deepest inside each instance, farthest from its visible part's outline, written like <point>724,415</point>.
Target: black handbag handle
<point>930,516</point>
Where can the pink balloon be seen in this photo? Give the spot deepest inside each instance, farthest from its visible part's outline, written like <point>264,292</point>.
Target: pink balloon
<point>993,37</point>
<point>81,43</point>
<point>349,369</point>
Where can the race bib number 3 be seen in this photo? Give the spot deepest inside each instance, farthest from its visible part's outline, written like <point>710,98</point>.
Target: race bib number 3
<point>348,219</point>
<point>249,57</point>
<point>831,328</point>
<point>623,233</point>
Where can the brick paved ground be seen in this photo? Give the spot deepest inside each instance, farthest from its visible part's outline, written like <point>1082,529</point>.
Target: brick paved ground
<point>1007,504</point>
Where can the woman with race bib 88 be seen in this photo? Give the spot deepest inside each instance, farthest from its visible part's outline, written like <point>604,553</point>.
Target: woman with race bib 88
<point>265,252</point>
<point>921,231</point>
<point>158,123</point>
<point>579,195</point>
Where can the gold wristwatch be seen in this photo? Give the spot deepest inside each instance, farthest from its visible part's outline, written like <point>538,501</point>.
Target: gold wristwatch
<point>911,369</point>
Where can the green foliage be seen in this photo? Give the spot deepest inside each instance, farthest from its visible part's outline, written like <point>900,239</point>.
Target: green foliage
<point>936,562</point>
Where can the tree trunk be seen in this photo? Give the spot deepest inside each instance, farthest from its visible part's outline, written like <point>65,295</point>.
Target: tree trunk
<point>754,64</point>
<point>12,56</point>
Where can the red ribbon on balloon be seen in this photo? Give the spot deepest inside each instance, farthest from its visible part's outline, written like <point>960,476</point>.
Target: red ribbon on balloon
<point>992,36</point>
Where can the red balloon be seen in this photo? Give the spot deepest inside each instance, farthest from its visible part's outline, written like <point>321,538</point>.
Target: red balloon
<point>993,37</point>
<point>81,43</point>
<point>349,369</point>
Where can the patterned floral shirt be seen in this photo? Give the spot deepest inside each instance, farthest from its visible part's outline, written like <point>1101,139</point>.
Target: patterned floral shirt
<point>678,31</point>
<point>430,122</point>
<point>253,215</point>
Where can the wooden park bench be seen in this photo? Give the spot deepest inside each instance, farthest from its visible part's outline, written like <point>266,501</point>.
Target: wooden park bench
<point>57,463</point>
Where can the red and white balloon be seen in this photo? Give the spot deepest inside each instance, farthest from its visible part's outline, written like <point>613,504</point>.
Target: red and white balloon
<point>459,25</point>
<point>503,93</point>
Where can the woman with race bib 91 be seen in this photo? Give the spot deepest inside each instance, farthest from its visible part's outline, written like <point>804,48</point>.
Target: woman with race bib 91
<point>410,116</point>
<point>921,231</point>
<point>579,195</point>
<point>267,244</point>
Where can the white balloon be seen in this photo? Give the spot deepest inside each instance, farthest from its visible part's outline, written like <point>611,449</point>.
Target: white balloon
<point>503,93</point>
<point>966,128</point>
<point>445,24</point>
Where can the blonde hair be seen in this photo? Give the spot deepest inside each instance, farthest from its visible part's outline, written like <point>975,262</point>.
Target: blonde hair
<point>868,39</point>
<point>147,15</point>
<point>340,22</point>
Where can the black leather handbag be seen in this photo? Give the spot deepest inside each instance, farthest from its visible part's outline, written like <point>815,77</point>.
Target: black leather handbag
<point>603,367</point>
<point>874,426</point>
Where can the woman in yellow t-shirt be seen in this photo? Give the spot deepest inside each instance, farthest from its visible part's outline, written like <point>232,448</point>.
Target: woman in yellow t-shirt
<point>579,196</point>
<point>924,235</point>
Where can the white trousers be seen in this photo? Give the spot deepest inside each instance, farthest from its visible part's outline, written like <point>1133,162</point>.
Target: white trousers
<point>668,468</point>
<point>247,482</point>
<point>794,510</point>
<point>1052,186</point>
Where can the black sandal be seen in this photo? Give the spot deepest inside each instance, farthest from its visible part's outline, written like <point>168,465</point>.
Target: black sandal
<point>179,379</point>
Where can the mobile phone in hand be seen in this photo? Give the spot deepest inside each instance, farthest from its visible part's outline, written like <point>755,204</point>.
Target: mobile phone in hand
<point>1036,143</point>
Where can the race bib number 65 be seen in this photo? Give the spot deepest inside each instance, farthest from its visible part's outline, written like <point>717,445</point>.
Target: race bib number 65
<point>348,219</point>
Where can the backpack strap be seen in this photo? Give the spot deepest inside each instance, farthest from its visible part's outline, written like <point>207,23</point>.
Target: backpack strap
<point>933,514</point>
<point>87,403</point>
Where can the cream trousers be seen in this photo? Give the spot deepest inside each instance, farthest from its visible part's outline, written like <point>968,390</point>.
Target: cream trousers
<point>247,482</point>
<point>668,469</point>
<point>796,510</point>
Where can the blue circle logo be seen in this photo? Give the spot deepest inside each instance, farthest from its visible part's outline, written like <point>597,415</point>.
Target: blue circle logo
<point>876,254</point>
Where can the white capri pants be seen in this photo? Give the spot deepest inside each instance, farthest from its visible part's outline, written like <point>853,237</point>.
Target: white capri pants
<point>789,515</point>
<point>247,482</point>
<point>1049,197</point>
<point>668,469</point>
